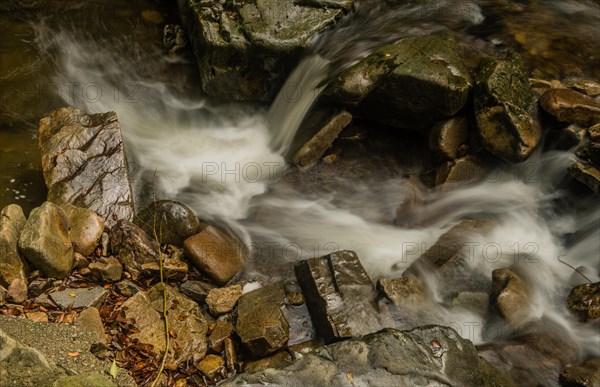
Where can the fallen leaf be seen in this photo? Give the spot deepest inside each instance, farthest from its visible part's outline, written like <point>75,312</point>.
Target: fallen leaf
<point>72,294</point>
<point>113,370</point>
<point>73,354</point>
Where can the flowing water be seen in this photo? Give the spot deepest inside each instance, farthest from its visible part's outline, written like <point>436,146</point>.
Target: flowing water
<point>227,161</point>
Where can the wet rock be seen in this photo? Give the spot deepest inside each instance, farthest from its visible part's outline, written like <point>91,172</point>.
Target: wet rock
<point>211,365</point>
<point>429,355</point>
<point>17,291</point>
<point>594,132</point>
<point>299,350</point>
<point>174,39</point>
<point>584,301</point>
<point>12,267</point>
<point>215,254</point>
<point>570,106</point>
<point>532,360</point>
<point>476,301</point>
<point>132,246</point>
<point>277,360</point>
<point>450,257</point>
<point>84,163</point>
<point>126,288</point>
<point>173,222</point>
<point>294,298</point>
<point>587,174</point>
<point>340,296</point>
<point>505,110</point>
<point>316,134</point>
<point>106,270</point>
<point>583,375</point>
<point>403,292</point>
<point>585,86</point>
<point>425,81</point>
<point>446,137</point>
<point>246,50</point>
<point>565,138</point>
<point>221,330</point>
<point>87,380</point>
<point>79,297</point>
<point>462,170</point>
<point>407,214</point>
<point>510,297</point>
<point>590,152</point>
<point>89,321</point>
<point>261,324</point>
<point>196,290</point>
<point>223,300</point>
<point>45,241</point>
<point>185,319</point>
<point>86,228</point>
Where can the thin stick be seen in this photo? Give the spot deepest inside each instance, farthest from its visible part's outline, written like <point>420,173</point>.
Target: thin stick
<point>575,269</point>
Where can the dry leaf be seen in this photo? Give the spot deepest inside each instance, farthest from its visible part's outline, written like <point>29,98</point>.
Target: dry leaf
<point>73,354</point>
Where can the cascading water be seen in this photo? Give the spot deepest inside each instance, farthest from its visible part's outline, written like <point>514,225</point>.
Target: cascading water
<point>227,162</point>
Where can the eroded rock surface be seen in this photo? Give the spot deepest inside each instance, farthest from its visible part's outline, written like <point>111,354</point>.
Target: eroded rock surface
<point>12,221</point>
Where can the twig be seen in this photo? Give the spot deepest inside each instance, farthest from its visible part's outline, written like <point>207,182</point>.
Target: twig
<point>575,269</point>
<point>163,288</point>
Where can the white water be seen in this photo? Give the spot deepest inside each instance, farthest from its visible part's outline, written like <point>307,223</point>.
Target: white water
<point>226,163</point>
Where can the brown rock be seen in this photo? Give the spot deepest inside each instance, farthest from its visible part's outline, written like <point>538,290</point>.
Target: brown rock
<point>230,354</point>
<point>106,270</point>
<point>79,261</point>
<point>185,320</point>
<point>276,360</point>
<point>447,136</point>
<point>590,152</point>
<point>463,170</point>
<point>585,86</point>
<point>583,375</point>
<point>86,228</point>
<point>37,316</point>
<point>403,292</point>
<point>89,320</point>
<point>587,174</point>
<point>132,246</point>
<point>584,301</point>
<point>12,221</point>
<point>211,365</point>
<point>220,331</point>
<point>570,106</point>
<point>215,254</point>
<point>594,132</point>
<point>510,297</point>
<point>261,324</point>
<point>196,290</point>
<point>173,267</point>
<point>223,300</point>
<point>17,291</point>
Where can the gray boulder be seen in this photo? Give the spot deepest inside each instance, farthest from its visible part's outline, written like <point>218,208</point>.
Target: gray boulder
<point>245,50</point>
<point>505,110</point>
<point>12,267</point>
<point>45,241</point>
<point>426,356</point>
<point>84,163</point>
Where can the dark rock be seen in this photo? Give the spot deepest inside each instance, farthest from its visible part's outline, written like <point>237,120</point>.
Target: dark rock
<point>89,321</point>
<point>277,360</point>
<point>173,267</point>
<point>261,324</point>
<point>583,375</point>
<point>476,301</point>
<point>565,138</point>
<point>45,241</point>
<point>196,290</point>
<point>505,110</point>
<point>211,365</point>
<point>173,222</point>
<point>584,301</point>
<point>86,228</point>
<point>215,254</point>
<point>462,170</point>
<point>221,330</point>
<point>410,84</point>
<point>79,297</point>
<point>446,137</point>
<point>132,246</point>
<point>403,292</point>
<point>79,261</point>
<point>407,214</point>
<point>12,267</point>
<point>430,355</point>
<point>590,152</point>
<point>185,318</point>
<point>585,86</point>
<point>316,134</point>
<point>126,288</point>
<point>587,174</point>
<point>106,270</point>
<point>570,106</point>
<point>38,286</point>
<point>223,300</point>
<point>594,132</point>
<point>84,163</point>
<point>449,260</point>
<point>339,295</point>
<point>246,50</point>
<point>510,297</point>
<point>174,39</point>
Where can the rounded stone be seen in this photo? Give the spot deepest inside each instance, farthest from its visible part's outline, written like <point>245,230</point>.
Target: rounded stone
<point>174,222</point>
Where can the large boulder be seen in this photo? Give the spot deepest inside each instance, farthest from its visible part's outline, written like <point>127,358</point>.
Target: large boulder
<point>172,222</point>
<point>426,356</point>
<point>410,84</point>
<point>505,110</point>
<point>45,241</point>
<point>133,247</point>
<point>245,50</point>
<point>84,163</point>
<point>12,267</point>
<point>340,296</point>
<point>185,319</point>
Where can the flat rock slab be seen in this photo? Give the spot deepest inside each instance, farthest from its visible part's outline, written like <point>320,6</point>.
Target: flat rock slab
<point>427,356</point>
<point>79,297</point>
<point>84,163</point>
<point>340,296</point>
